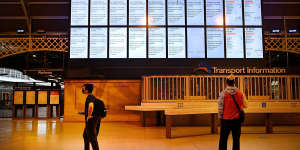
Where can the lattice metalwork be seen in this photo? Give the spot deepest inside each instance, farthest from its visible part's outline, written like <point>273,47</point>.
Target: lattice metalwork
<point>13,46</point>
<point>289,44</point>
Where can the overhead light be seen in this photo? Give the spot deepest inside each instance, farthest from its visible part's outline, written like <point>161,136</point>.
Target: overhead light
<point>275,31</point>
<point>34,56</point>
<point>292,31</point>
<point>20,31</point>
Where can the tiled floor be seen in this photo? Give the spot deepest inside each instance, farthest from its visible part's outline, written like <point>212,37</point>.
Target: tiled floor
<point>59,135</point>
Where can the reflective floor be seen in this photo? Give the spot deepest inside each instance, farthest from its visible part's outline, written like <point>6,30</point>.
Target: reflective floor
<point>59,135</point>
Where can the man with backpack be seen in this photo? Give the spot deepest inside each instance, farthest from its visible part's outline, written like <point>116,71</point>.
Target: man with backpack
<point>231,103</point>
<point>94,111</point>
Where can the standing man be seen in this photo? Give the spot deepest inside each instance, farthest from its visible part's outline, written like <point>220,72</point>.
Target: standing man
<point>94,110</point>
<point>229,114</point>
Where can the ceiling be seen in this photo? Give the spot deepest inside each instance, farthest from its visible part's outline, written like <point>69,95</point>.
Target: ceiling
<point>47,15</point>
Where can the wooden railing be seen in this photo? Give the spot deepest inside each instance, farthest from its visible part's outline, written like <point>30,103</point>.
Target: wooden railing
<point>208,87</point>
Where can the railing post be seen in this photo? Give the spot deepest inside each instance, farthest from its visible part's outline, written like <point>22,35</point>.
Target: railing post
<point>289,91</point>
<point>187,85</point>
<point>241,82</point>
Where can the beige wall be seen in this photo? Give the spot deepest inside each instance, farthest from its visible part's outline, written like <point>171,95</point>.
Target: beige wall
<point>114,93</point>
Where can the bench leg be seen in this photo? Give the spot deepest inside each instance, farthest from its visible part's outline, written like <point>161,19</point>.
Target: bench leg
<point>214,127</point>
<point>36,111</point>
<point>58,111</point>
<point>268,123</point>
<point>24,111</point>
<point>13,111</point>
<point>48,111</point>
<point>168,126</point>
<point>143,119</point>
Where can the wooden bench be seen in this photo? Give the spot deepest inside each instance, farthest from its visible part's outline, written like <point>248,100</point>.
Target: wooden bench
<point>266,108</point>
<point>210,107</point>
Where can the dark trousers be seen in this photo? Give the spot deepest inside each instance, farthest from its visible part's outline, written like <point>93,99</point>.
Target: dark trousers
<point>235,127</point>
<point>90,133</point>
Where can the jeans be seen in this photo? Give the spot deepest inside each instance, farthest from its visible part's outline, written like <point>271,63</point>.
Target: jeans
<point>90,133</point>
<point>235,127</point>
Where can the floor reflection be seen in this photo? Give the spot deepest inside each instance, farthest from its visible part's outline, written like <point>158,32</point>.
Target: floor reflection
<point>58,135</point>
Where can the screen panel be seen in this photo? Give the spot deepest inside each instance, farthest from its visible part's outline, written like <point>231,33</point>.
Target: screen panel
<point>98,12</point>
<point>156,12</point>
<point>118,43</point>
<point>137,43</point>
<point>195,12</point>
<point>196,43</point>
<point>118,12</point>
<point>252,13</point>
<point>234,43</point>
<point>215,42</point>
<point>253,42</point>
<point>233,12</point>
<point>181,32</point>
<point>157,43</point>
<point>137,12</point>
<point>214,12</point>
<point>79,12</point>
<point>98,42</point>
<point>176,42</point>
<point>78,43</point>
<point>176,12</point>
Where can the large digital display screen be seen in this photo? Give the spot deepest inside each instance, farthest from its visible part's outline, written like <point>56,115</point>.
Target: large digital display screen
<point>214,12</point>
<point>79,12</point>
<point>172,29</point>
<point>176,44</point>
<point>118,43</point>
<point>98,42</point>
<point>196,43</point>
<point>195,12</point>
<point>98,12</point>
<point>157,43</point>
<point>118,12</point>
<point>234,43</point>
<point>215,42</point>
<point>254,44</point>
<point>137,12</point>
<point>176,12</point>
<point>137,43</point>
<point>233,12</point>
<point>79,43</point>
<point>252,10</point>
<point>156,12</point>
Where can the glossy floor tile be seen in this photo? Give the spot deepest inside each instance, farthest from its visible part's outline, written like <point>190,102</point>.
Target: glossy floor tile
<point>59,135</point>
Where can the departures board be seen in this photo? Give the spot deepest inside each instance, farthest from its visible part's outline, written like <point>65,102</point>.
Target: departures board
<point>166,29</point>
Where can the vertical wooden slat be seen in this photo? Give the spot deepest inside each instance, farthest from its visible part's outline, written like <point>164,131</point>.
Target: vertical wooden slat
<point>281,88</point>
<point>157,88</point>
<point>169,83</point>
<point>263,86</point>
<point>176,89</point>
<point>165,88</point>
<point>259,86</point>
<point>207,95</point>
<point>215,89</point>
<point>161,88</point>
<point>180,94</point>
<point>298,86</point>
<point>255,87</point>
